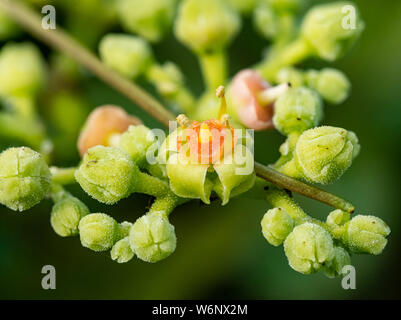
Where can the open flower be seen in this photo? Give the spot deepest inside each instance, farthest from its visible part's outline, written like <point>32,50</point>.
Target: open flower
<point>252,99</point>
<point>207,156</point>
<point>102,124</point>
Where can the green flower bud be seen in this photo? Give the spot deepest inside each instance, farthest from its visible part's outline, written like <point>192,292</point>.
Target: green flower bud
<point>98,231</point>
<point>22,69</point>
<point>337,218</point>
<point>308,247</point>
<point>276,226</point>
<point>265,20</point>
<point>331,29</point>
<point>24,178</point>
<point>151,19</point>
<point>323,154</point>
<point>297,110</point>
<point>106,174</point>
<point>331,84</point>
<point>290,75</point>
<point>121,251</point>
<point>152,237</point>
<point>366,234</point>
<point>66,214</point>
<point>206,25</point>
<point>334,267</point>
<point>136,141</point>
<point>127,54</point>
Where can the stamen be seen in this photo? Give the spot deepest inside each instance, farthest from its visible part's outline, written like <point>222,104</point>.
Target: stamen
<point>224,119</point>
<point>270,95</point>
<point>220,93</point>
<point>183,121</point>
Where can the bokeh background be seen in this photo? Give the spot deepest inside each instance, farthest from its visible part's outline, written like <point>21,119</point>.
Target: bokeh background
<point>221,252</point>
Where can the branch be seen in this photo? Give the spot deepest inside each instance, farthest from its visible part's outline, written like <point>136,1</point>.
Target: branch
<point>61,41</point>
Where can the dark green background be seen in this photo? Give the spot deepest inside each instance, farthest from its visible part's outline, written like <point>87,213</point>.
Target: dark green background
<point>221,252</point>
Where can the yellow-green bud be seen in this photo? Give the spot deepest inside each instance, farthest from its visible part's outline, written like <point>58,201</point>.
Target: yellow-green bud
<point>121,251</point>
<point>98,231</point>
<point>22,69</point>
<point>323,154</point>
<point>330,83</point>
<point>151,19</point>
<point>332,28</point>
<point>276,226</point>
<point>206,25</point>
<point>24,178</point>
<point>265,20</point>
<point>334,267</point>
<point>136,141</point>
<point>308,247</point>
<point>337,218</point>
<point>290,75</point>
<point>127,54</point>
<point>297,110</point>
<point>66,214</point>
<point>152,237</point>
<point>106,174</point>
<point>366,234</point>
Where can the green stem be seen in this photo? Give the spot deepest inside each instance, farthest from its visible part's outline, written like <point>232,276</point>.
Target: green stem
<point>57,192</point>
<point>214,69</point>
<point>303,188</point>
<point>279,198</point>
<point>61,41</point>
<point>291,54</point>
<point>150,185</point>
<point>63,176</point>
<point>166,204</point>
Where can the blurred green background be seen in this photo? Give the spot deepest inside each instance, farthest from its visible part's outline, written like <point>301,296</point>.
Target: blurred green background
<point>221,252</point>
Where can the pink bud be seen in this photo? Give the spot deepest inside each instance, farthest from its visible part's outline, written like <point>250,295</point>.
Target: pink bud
<point>245,89</point>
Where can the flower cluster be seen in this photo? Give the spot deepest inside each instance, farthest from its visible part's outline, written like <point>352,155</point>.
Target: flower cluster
<point>210,154</point>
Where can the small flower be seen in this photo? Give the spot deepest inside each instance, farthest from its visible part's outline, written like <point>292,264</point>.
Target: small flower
<point>24,178</point>
<point>276,225</point>
<point>341,258</point>
<point>136,141</point>
<point>106,174</point>
<point>121,251</point>
<point>265,20</point>
<point>337,218</point>
<point>98,231</point>
<point>308,247</point>
<point>297,110</point>
<point>151,19</point>
<point>66,214</point>
<point>129,55</point>
<point>366,234</point>
<point>331,84</point>
<point>22,68</point>
<point>206,25</point>
<point>329,31</point>
<point>124,228</point>
<point>252,99</point>
<point>323,154</point>
<point>207,156</point>
<point>102,125</point>
<point>152,237</point>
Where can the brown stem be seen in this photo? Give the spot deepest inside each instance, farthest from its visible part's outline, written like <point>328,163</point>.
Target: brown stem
<point>61,41</point>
